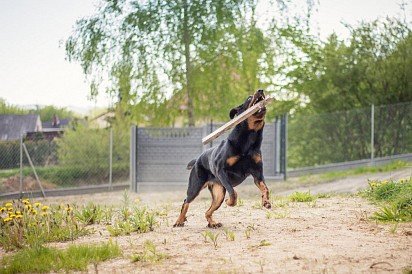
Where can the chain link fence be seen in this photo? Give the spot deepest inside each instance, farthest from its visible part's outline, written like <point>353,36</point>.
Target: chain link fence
<point>81,157</point>
<point>366,133</point>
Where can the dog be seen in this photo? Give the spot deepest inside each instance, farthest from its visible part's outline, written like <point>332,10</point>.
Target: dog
<point>227,165</point>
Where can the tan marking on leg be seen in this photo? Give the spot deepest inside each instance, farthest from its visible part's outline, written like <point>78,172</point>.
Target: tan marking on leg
<point>218,195</point>
<point>232,160</point>
<point>232,201</point>
<point>182,217</point>
<point>265,193</point>
<point>257,158</point>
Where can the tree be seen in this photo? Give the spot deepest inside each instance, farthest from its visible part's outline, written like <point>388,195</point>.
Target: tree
<point>174,56</point>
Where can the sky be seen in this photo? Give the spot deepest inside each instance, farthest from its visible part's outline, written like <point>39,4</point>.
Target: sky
<point>33,68</point>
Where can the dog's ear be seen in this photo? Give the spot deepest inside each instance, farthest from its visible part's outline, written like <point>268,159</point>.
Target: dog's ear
<point>234,111</point>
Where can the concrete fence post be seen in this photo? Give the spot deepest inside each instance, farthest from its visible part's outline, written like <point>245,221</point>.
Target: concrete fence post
<point>133,158</point>
<point>372,134</point>
<point>21,166</point>
<point>111,160</point>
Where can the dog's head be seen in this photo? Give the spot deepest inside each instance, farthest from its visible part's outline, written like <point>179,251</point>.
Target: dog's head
<point>257,120</point>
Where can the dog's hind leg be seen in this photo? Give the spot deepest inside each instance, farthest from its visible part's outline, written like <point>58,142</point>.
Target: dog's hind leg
<point>195,186</point>
<point>218,194</point>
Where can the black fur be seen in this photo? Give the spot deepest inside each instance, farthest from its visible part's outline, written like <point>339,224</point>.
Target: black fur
<point>212,164</point>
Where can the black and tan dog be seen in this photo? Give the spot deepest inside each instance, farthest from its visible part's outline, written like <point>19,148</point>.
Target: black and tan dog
<point>227,165</point>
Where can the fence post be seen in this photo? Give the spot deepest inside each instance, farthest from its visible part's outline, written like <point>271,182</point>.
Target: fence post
<point>211,130</point>
<point>372,134</point>
<point>133,158</point>
<point>21,165</point>
<point>111,160</point>
<point>283,145</point>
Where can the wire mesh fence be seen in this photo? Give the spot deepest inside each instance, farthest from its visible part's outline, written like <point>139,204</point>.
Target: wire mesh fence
<point>81,157</point>
<point>345,136</point>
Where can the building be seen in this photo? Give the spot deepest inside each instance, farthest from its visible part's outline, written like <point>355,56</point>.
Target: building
<point>13,126</point>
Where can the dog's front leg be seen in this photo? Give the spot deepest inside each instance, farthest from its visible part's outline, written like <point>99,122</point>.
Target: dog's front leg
<point>225,181</point>
<point>260,183</point>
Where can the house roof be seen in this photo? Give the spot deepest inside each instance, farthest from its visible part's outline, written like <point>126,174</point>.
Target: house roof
<point>11,126</point>
<point>62,123</point>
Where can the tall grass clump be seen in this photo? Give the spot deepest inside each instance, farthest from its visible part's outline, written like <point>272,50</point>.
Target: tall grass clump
<point>394,198</point>
<point>27,224</point>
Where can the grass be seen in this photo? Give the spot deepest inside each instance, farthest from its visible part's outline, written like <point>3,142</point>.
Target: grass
<point>27,224</point>
<point>131,218</point>
<point>230,235</point>
<point>394,198</point>
<point>45,259</point>
<point>149,254</point>
<point>331,176</point>
<point>302,197</point>
<point>211,236</point>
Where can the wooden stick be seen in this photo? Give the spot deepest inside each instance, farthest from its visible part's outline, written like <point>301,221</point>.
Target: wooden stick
<point>237,120</point>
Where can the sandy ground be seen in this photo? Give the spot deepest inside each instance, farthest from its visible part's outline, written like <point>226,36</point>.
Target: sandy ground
<point>332,235</point>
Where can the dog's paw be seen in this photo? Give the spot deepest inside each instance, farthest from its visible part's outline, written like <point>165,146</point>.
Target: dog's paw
<point>214,225</point>
<point>267,204</point>
<point>231,202</point>
<point>179,225</point>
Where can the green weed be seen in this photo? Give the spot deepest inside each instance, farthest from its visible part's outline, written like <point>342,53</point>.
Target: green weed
<point>149,254</point>
<point>394,198</point>
<point>230,235</point>
<point>212,236</point>
<point>27,224</point>
<point>301,197</point>
<point>45,259</point>
<point>90,214</point>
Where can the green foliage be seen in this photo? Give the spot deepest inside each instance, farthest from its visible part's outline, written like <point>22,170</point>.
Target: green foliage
<point>45,259</point>
<point>42,152</point>
<point>10,109</point>
<point>29,224</point>
<point>90,214</point>
<point>302,197</point>
<point>149,254</point>
<point>394,198</point>
<point>123,42</point>
<point>131,218</point>
<point>230,235</point>
<point>46,113</point>
<point>211,236</point>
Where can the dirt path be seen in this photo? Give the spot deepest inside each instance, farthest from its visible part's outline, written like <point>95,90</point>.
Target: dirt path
<point>333,235</point>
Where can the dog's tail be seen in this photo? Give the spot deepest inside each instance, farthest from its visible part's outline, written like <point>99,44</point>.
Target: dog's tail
<point>191,164</point>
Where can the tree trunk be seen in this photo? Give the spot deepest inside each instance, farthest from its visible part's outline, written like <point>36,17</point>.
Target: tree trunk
<point>186,41</point>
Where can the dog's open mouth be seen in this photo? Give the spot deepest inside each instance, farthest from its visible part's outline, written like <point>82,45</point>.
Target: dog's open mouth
<point>257,97</point>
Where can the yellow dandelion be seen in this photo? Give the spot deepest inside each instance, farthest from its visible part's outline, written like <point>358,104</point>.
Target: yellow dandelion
<point>18,212</point>
<point>37,204</point>
<point>8,204</point>
<point>10,209</point>
<point>8,219</point>
<point>44,214</point>
<point>26,201</point>
<point>2,209</point>
<point>45,208</point>
<point>12,215</point>
<point>33,211</point>
<point>19,216</point>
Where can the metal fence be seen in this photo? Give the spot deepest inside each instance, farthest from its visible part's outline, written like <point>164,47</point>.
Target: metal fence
<point>88,159</point>
<point>349,136</point>
<point>160,155</point>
